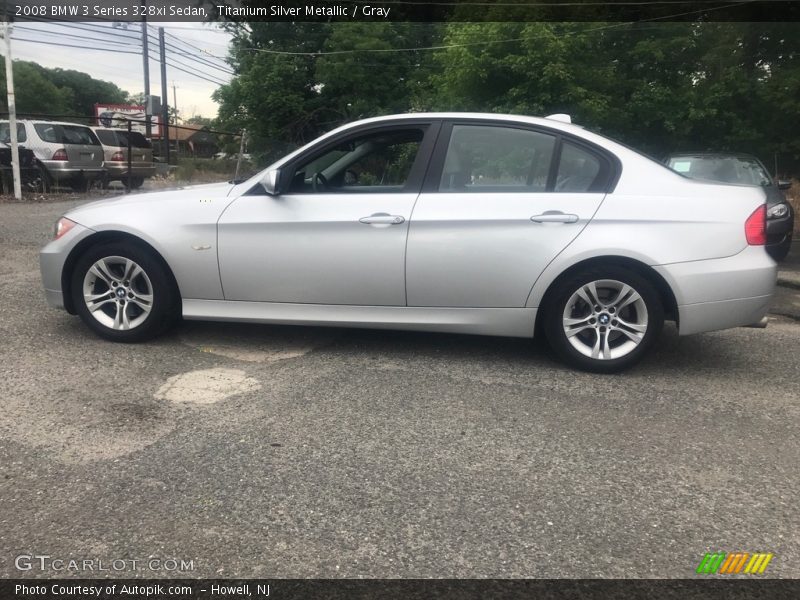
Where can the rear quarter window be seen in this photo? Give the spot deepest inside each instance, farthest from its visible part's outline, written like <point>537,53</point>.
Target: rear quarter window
<point>66,134</point>
<point>108,137</point>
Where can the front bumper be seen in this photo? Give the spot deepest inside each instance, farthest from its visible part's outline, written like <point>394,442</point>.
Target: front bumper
<point>52,259</point>
<point>55,298</point>
<point>724,292</point>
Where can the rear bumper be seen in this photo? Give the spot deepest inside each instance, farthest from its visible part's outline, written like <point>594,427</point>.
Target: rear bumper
<point>779,230</point>
<point>116,171</point>
<point>711,316</point>
<point>722,293</point>
<point>62,170</point>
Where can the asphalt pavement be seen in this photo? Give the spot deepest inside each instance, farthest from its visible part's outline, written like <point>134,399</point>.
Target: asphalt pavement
<point>261,451</point>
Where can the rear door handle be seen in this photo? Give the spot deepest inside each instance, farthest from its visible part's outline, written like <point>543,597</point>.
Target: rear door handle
<point>554,217</point>
<point>382,219</point>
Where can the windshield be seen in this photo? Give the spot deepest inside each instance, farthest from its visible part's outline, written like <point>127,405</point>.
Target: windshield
<point>727,169</point>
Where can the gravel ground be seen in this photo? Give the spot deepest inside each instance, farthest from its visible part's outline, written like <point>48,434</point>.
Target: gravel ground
<point>258,451</point>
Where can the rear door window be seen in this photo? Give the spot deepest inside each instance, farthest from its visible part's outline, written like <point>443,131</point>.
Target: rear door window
<point>484,158</point>
<point>5,133</point>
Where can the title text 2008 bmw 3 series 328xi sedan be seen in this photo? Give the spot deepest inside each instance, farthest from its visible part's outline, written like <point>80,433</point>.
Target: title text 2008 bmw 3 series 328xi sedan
<point>468,223</point>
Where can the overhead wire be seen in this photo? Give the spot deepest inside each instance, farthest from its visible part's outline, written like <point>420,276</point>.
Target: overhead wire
<point>489,42</point>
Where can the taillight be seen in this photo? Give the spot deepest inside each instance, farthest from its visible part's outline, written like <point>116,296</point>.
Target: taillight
<point>117,157</point>
<point>63,225</point>
<point>755,228</point>
<point>60,154</point>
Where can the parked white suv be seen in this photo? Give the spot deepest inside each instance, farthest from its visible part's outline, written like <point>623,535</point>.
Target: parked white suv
<point>70,153</point>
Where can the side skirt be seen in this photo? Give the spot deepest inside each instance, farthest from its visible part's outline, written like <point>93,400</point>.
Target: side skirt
<point>509,322</point>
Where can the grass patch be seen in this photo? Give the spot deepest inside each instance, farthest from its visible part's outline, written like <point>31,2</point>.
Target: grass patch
<point>207,170</point>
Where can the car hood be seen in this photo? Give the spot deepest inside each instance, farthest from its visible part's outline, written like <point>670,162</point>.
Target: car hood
<point>174,199</point>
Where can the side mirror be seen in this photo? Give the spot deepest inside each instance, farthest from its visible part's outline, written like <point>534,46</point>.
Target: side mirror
<point>270,182</point>
<point>784,185</point>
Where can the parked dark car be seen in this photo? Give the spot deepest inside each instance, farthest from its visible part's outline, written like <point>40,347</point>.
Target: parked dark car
<point>744,169</point>
<point>31,172</point>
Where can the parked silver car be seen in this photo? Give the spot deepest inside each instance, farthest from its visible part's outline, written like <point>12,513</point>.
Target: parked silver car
<point>115,149</point>
<point>71,154</point>
<point>468,223</point>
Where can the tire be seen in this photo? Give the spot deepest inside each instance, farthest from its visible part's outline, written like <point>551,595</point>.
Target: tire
<point>615,337</point>
<point>40,182</point>
<point>136,182</point>
<point>79,185</point>
<point>148,304</point>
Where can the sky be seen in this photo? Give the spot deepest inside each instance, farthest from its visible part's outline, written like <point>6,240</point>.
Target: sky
<point>126,70</point>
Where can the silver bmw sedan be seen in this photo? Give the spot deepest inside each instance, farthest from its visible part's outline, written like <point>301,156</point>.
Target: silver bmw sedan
<point>470,223</point>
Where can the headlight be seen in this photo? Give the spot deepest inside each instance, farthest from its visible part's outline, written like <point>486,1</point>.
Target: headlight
<point>63,225</point>
<point>777,211</point>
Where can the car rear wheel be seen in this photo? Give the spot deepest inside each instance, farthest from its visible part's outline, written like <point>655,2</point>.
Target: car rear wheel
<point>123,293</point>
<point>39,181</point>
<point>603,319</point>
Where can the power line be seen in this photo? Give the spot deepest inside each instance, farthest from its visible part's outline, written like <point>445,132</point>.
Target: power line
<point>110,31</point>
<point>195,69</point>
<point>201,50</point>
<point>72,35</point>
<point>192,56</point>
<point>62,44</point>
<point>195,74</point>
<point>486,42</point>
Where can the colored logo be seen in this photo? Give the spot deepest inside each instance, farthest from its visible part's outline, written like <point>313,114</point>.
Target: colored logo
<point>723,563</point>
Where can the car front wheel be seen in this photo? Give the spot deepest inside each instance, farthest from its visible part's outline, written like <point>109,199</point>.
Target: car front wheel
<point>603,319</point>
<point>123,293</point>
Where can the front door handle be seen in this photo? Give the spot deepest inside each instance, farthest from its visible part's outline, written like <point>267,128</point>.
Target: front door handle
<point>382,219</point>
<point>554,217</point>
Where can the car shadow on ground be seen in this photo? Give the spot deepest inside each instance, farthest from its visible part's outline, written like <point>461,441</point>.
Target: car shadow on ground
<point>671,353</point>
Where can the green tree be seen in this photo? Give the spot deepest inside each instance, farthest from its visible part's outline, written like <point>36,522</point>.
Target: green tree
<point>40,90</point>
<point>34,92</point>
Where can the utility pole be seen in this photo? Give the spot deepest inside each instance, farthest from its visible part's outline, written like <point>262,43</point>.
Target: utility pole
<point>146,65</point>
<point>164,92</point>
<point>175,101</point>
<point>12,112</point>
<point>239,158</point>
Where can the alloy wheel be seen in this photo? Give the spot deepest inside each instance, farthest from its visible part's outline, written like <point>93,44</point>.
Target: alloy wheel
<point>118,293</point>
<point>605,319</point>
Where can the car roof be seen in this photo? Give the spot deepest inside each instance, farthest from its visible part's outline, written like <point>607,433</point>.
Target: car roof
<point>47,121</point>
<point>544,121</point>
<point>713,155</point>
<point>96,128</point>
